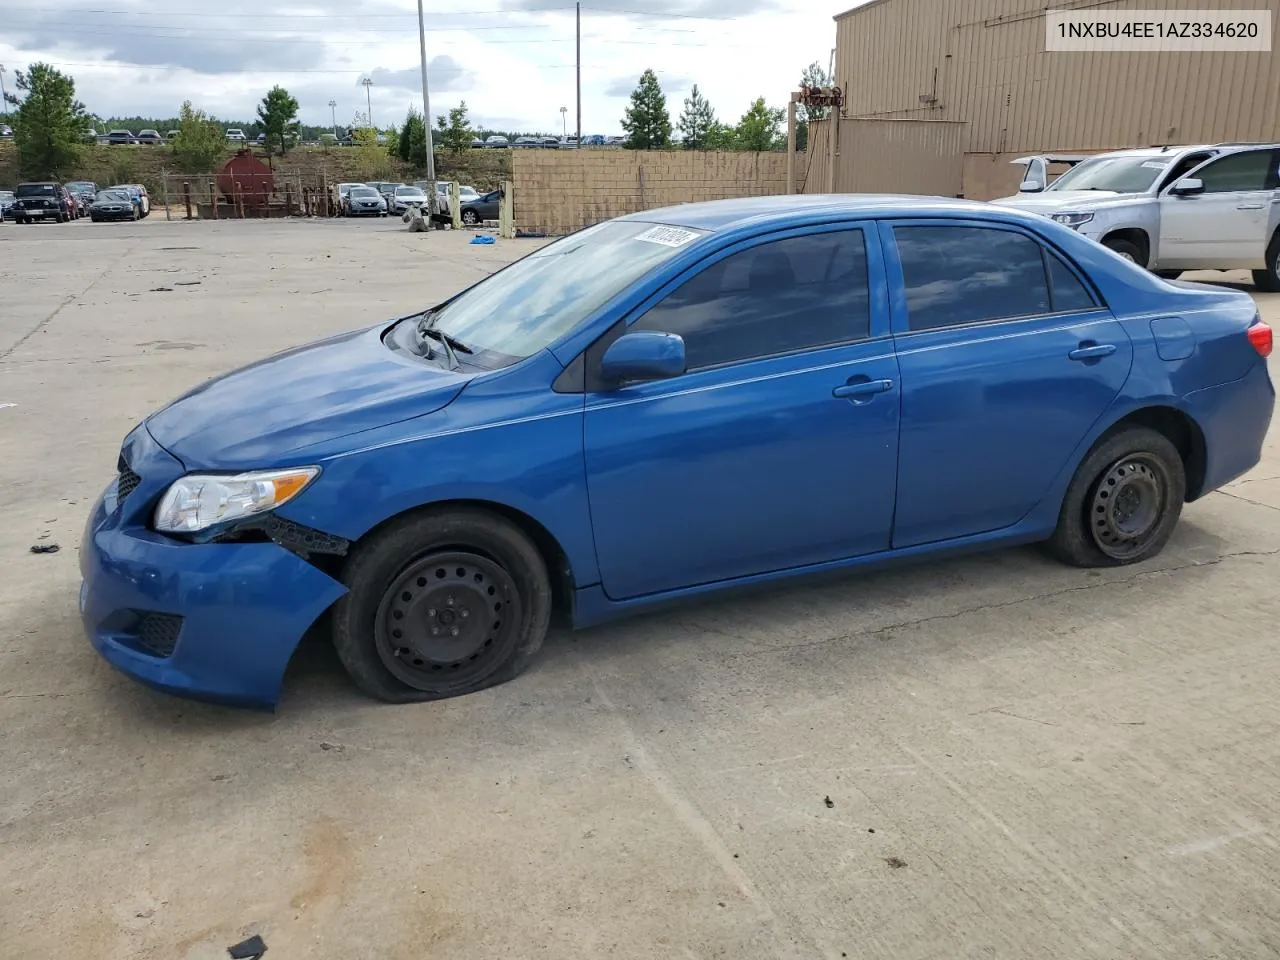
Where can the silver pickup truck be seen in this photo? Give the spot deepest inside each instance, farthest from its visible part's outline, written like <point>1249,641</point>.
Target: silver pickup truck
<point>1208,207</point>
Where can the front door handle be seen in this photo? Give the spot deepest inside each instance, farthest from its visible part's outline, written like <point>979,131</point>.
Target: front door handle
<point>862,388</point>
<point>1249,206</point>
<point>1092,351</point>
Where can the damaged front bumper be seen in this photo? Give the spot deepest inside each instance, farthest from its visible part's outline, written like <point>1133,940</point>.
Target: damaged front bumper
<point>213,621</point>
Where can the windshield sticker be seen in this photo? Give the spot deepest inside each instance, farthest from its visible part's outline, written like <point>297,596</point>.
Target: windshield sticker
<point>668,236</point>
<point>1155,164</point>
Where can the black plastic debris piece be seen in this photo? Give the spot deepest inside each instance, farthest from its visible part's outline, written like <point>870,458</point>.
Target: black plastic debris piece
<point>45,548</point>
<point>162,289</point>
<point>897,863</point>
<point>250,949</point>
<point>828,802</point>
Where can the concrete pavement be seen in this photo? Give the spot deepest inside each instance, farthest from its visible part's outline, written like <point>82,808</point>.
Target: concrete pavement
<point>991,757</point>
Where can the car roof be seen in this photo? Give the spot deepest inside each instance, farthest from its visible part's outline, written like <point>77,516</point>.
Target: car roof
<point>755,211</point>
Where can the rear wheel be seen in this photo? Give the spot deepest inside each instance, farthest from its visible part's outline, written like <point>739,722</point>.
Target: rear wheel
<point>441,604</point>
<point>470,217</point>
<point>1168,274</point>
<point>1123,502</point>
<point>1268,280</point>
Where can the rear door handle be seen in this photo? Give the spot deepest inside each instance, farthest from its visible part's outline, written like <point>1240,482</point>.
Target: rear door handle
<point>1249,206</point>
<point>863,388</point>
<point>1092,352</point>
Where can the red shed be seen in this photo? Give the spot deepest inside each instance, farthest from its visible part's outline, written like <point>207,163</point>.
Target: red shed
<point>246,178</point>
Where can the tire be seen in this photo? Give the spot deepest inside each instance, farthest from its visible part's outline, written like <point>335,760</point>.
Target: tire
<point>92,218</point>
<point>1168,274</point>
<point>1101,524</point>
<point>1268,280</point>
<point>441,570</point>
<point>1126,249</point>
<point>470,217</point>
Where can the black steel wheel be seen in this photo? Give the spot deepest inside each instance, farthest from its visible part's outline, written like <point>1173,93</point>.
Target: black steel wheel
<point>451,615</point>
<point>1123,502</point>
<point>441,603</point>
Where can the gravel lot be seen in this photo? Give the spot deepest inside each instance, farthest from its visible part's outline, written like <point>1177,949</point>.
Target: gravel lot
<point>960,760</point>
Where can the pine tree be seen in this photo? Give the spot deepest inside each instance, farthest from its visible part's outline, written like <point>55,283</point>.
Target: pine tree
<point>278,114</point>
<point>49,124</point>
<point>200,142</point>
<point>697,121</point>
<point>758,128</point>
<point>647,123</point>
<point>455,133</point>
<point>411,144</point>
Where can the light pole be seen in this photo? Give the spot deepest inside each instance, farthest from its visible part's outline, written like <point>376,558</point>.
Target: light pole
<point>564,122</point>
<point>367,83</point>
<point>4,96</point>
<point>333,112</point>
<point>426,108</point>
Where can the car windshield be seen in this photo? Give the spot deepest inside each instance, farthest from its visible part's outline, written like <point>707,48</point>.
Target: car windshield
<point>118,195</point>
<point>1118,174</point>
<point>363,192</point>
<point>36,190</point>
<point>532,303</point>
<point>409,192</point>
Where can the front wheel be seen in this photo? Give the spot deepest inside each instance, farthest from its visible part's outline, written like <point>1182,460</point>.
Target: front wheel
<point>441,604</point>
<point>1168,274</point>
<point>1126,249</point>
<point>470,217</point>
<point>1123,502</point>
<point>1268,280</point>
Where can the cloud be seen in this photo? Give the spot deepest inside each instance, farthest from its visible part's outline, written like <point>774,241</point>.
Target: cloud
<point>715,9</point>
<point>623,86</point>
<point>444,74</point>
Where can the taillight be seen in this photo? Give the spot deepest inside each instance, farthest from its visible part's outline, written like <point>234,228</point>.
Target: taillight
<point>1259,335</point>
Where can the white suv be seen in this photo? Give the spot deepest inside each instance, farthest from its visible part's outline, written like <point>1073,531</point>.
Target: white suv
<point>1211,207</point>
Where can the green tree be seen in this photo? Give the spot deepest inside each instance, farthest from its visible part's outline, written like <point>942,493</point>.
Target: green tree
<point>697,121</point>
<point>721,136</point>
<point>278,114</point>
<point>813,76</point>
<point>370,156</point>
<point>411,146</point>
<point>758,128</point>
<point>49,124</point>
<point>646,122</point>
<point>200,142</point>
<point>455,133</point>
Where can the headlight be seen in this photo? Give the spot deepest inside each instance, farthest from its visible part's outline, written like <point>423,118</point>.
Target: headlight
<point>1072,219</point>
<point>199,501</point>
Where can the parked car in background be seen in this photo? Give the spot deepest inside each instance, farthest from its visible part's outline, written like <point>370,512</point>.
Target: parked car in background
<point>6,132</point>
<point>171,135</point>
<point>6,204</point>
<point>477,143</point>
<point>91,136</point>
<point>343,189</point>
<point>615,141</point>
<point>328,140</point>
<point>42,200</point>
<point>119,137</point>
<point>466,193</point>
<point>115,204</point>
<point>84,191</point>
<point>568,143</point>
<point>594,140</point>
<point>911,377</point>
<point>497,142</point>
<point>236,135</point>
<point>525,142</point>
<point>149,137</point>
<point>1170,209</point>
<point>386,189</point>
<point>478,209</point>
<point>549,143</point>
<point>406,197</point>
<point>362,201</point>
<point>144,198</point>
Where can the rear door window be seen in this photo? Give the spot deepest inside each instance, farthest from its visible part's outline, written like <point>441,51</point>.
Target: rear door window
<point>957,275</point>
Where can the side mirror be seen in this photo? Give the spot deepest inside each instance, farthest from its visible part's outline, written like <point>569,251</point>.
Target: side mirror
<point>1037,176</point>
<point>1188,187</point>
<point>643,355</point>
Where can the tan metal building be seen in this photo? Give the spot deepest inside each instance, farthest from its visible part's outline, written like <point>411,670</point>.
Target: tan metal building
<point>984,62</point>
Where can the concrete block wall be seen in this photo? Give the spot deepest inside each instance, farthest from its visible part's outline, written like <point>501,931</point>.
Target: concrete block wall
<point>558,192</point>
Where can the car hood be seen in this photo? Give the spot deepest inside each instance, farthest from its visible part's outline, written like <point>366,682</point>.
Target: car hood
<point>258,415</point>
<point>1057,201</point>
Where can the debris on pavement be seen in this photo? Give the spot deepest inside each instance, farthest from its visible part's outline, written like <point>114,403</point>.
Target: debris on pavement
<point>45,548</point>
<point>250,949</point>
<point>483,239</point>
<point>828,802</point>
<point>897,863</point>
<point>162,290</point>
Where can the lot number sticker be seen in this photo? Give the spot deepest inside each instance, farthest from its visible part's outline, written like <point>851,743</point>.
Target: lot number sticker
<point>668,236</point>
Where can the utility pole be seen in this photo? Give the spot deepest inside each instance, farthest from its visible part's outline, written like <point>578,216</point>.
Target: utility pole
<point>577,16</point>
<point>426,108</point>
<point>4,96</point>
<point>333,112</point>
<point>367,83</point>
<point>564,121</point>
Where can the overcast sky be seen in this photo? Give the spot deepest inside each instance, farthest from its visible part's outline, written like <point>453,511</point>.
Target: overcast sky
<point>511,60</point>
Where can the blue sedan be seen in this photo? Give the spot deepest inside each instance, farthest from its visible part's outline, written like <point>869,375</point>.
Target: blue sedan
<point>663,406</point>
